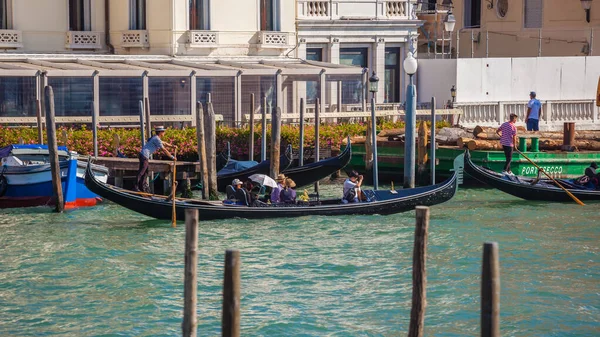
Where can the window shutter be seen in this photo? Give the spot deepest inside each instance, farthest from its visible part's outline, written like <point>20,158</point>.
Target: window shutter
<point>533,13</point>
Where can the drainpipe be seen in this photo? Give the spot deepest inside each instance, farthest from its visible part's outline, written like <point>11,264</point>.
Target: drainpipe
<point>110,47</point>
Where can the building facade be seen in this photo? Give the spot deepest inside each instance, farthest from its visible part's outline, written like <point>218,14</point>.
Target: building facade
<point>510,28</point>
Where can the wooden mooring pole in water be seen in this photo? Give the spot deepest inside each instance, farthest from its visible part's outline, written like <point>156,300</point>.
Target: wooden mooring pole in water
<point>231,295</point>
<point>251,140</point>
<point>200,134</point>
<point>275,141</point>
<point>210,128</point>
<point>190,279</point>
<point>490,291</point>
<point>419,276</point>
<point>53,151</point>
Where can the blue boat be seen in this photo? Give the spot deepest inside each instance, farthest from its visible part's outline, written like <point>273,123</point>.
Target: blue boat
<point>26,178</point>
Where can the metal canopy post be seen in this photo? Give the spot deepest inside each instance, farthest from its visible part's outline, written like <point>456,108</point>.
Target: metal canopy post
<point>96,111</point>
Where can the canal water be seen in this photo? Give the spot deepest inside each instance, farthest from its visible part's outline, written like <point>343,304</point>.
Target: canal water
<point>106,271</point>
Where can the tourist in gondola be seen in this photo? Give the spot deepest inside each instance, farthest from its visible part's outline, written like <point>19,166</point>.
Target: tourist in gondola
<point>288,194</point>
<point>276,193</point>
<point>508,139</point>
<point>352,187</point>
<point>154,144</point>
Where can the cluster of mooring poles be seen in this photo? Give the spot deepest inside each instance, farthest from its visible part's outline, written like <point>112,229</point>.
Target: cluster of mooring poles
<point>231,309</point>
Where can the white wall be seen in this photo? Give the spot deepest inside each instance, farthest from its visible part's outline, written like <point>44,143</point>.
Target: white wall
<point>509,79</point>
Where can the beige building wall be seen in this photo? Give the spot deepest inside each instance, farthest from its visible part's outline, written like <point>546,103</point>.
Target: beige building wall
<point>42,26</point>
<point>564,31</point>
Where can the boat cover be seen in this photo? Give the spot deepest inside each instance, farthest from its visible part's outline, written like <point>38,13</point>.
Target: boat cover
<point>5,151</point>
<point>236,166</point>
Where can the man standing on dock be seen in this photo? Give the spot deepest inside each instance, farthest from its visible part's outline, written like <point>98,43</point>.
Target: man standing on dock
<point>534,113</point>
<point>508,140</point>
<point>154,144</point>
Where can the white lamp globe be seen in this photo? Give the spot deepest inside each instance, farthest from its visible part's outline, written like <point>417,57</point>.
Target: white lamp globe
<point>587,4</point>
<point>410,64</point>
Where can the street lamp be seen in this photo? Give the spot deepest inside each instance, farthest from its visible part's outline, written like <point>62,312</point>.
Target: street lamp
<point>410,67</point>
<point>373,87</point>
<point>449,23</point>
<point>586,4</point>
<point>453,94</point>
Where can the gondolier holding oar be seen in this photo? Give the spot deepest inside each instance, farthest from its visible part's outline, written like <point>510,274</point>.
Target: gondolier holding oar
<point>508,139</point>
<point>154,144</point>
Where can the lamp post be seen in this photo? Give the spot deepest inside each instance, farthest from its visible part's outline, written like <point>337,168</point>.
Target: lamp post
<point>453,94</point>
<point>373,83</point>
<point>449,23</point>
<point>586,4</point>
<point>410,67</point>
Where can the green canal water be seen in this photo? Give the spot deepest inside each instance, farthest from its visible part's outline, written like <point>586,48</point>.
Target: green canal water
<point>106,271</point>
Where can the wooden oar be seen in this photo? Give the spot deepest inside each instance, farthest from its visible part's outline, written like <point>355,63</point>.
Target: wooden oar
<point>556,182</point>
<point>173,189</point>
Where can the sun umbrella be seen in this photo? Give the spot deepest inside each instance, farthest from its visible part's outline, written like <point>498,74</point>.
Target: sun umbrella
<point>263,180</point>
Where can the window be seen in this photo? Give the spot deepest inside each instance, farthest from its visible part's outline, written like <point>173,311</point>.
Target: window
<point>120,96</point>
<point>169,95</point>
<point>79,15</point>
<point>5,14</point>
<point>472,13</point>
<point>137,14</point>
<point>199,15</point>
<point>312,87</point>
<point>17,97</point>
<point>73,96</point>
<point>430,5</point>
<point>268,15</point>
<point>352,91</point>
<point>392,75</point>
<point>533,14</point>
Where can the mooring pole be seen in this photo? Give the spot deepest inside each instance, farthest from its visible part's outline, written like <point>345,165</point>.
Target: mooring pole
<point>432,142</point>
<point>231,295</point>
<point>40,126</point>
<point>251,146</point>
<point>53,151</point>
<point>190,279</point>
<point>490,291</point>
<point>419,293</point>
<point>409,135</point>
<point>201,135</point>
<point>142,123</point>
<point>211,150</point>
<point>301,148</point>
<point>263,141</point>
<point>275,141</point>
<point>317,124</point>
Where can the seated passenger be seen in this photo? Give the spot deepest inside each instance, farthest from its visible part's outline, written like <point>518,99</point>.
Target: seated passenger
<point>240,196</point>
<point>276,193</point>
<point>589,179</point>
<point>352,187</point>
<point>591,170</point>
<point>288,195</point>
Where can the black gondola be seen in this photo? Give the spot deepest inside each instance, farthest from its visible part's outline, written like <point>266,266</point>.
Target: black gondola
<point>310,173</point>
<point>261,168</point>
<point>382,202</point>
<point>528,188</point>
<point>223,157</point>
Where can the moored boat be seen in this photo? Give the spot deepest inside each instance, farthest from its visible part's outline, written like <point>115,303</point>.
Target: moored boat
<point>26,179</point>
<point>380,202</point>
<point>528,188</point>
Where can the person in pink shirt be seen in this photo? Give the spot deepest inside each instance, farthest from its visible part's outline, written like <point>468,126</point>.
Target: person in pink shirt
<point>508,139</point>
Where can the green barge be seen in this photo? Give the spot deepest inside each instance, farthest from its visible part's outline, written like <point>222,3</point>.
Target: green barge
<point>390,158</point>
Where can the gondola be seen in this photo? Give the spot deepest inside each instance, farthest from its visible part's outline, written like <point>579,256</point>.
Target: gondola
<point>263,168</point>
<point>223,157</point>
<point>529,188</point>
<point>310,173</point>
<point>381,202</point>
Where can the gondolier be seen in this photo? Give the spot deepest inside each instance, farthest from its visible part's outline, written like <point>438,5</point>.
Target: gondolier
<point>154,144</point>
<point>508,139</point>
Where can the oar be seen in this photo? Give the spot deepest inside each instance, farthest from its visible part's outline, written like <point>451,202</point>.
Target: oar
<point>173,187</point>
<point>556,182</point>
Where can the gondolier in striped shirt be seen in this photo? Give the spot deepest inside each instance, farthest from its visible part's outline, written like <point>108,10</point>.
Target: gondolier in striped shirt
<point>508,140</point>
<point>154,144</point>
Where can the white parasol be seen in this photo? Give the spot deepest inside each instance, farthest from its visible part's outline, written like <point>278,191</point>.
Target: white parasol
<point>263,180</point>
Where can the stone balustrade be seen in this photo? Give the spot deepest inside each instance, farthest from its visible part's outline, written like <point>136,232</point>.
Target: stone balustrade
<point>135,39</point>
<point>340,9</point>
<point>83,40</point>
<point>11,38</point>
<point>202,39</point>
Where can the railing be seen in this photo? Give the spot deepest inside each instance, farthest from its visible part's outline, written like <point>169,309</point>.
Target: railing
<point>336,9</point>
<point>83,40</point>
<point>268,39</point>
<point>397,9</point>
<point>11,38</point>
<point>135,39</point>
<point>202,38</point>
<point>554,113</point>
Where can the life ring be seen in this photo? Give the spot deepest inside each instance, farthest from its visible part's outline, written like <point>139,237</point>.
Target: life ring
<point>3,185</point>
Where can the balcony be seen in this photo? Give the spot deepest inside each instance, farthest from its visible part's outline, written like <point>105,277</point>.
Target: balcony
<point>351,9</point>
<point>11,39</point>
<point>135,39</point>
<point>83,40</point>
<point>202,39</point>
<point>281,40</point>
